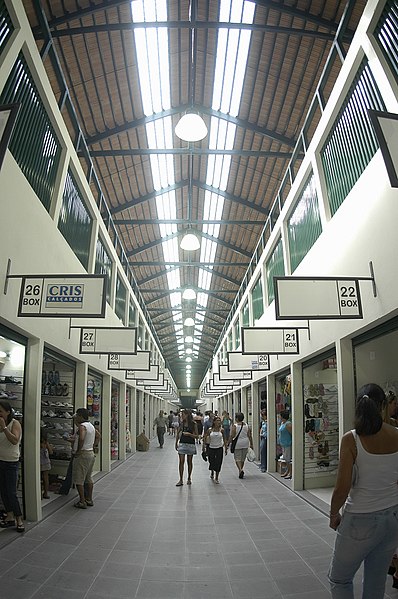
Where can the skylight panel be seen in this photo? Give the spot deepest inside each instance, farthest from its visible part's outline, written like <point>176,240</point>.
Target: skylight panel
<point>175,299</point>
<point>202,299</point>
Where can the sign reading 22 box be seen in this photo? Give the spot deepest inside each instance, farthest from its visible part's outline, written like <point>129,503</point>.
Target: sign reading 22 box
<point>76,296</point>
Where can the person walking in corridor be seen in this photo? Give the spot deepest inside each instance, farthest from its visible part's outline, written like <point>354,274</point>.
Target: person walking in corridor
<point>217,445</point>
<point>366,486</point>
<point>243,435</point>
<point>185,445</point>
<point>161,422</point>
<point>263,441</point>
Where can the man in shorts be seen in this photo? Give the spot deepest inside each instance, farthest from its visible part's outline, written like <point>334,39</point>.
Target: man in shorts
<point>84,457</point>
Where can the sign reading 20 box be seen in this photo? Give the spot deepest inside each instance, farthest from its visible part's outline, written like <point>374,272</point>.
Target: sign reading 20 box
<point>77,296</point>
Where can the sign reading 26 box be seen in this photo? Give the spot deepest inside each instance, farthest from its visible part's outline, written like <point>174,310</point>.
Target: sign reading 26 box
<point>61,296</point>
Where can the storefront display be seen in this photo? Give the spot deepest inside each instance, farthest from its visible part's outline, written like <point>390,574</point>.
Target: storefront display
<point>94,406</point>
<point>115,420</point>
<point>321,422</point>
<point>128,407</point>
<point>57,409</point>
<point>283,401</point>
<point>12,368</point>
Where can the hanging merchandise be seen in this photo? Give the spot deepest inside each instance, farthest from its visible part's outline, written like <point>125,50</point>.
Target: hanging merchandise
<point>57,409</point>
<point>115,420</point>
<point>321,423</point>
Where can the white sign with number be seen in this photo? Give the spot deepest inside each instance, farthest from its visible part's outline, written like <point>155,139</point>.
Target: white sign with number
<point>308,298</point>
<point>108,340</point>
<point>242,375</point>
<point>236,361</point>
<point>269,340</point>
<point>152,374</point>
<point>78,296</point>
<point>139,361</point>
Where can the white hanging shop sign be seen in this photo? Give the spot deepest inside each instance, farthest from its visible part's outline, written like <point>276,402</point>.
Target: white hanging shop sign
<point>152,374</point>
<point>236,362</point>
<point>108,340</point>
<point>139,361</point>
<point>158,389</point>
<point>269,340</point>
<point>152,383</point>
<point>225,375</point>
<point>62,296</point>
<point>217,382</point>
<point>319,298</point>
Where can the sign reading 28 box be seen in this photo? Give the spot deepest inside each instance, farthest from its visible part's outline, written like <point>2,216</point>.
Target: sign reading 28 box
<point>61,296</point>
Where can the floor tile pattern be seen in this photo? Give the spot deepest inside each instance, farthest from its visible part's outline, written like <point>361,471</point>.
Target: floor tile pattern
<point>145,538</point>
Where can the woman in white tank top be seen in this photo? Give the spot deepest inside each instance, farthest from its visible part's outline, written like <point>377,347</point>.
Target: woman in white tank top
<point>10,441</point>
<point>217,444</point>
<point>367,488</point>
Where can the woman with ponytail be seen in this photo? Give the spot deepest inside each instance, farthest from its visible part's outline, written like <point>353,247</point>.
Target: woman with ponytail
<point>367,488</point>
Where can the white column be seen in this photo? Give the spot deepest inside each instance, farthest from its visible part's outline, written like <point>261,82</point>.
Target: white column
<point>256,418</point>
<point>297,426</point>
<point>345,385</point>
<point>122,422</point>
<point>31,429</point>
<point>271,417</point>
<point>106,423</point>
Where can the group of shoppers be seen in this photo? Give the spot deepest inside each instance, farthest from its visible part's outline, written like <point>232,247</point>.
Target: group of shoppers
<point>216,443</point>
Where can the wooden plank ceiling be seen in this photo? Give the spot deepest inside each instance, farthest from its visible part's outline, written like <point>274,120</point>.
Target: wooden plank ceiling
<point>95,45</point>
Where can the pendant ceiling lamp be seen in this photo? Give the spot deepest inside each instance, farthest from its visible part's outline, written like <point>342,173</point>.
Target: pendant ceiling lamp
<point>189,322</point>
<point>189,294</point>
<point>190,242</point>
<point>191,127</point>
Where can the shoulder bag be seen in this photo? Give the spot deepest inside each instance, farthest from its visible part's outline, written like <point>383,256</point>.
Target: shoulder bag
<point>234,441</point>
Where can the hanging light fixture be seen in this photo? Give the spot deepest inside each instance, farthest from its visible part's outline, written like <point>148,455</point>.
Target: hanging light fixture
<point>189,322</point>
<point>189,350</point>
<point>188,339</point>
<point>190,242</point>
<point>189,359</point>
<point>189,294</point>
<point>191,127</point>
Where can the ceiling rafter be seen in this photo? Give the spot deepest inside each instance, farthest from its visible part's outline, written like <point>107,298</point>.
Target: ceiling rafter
<point>185,183</point>
<point>279,7</point>
<point>152,244</point>
<point>141,122</point>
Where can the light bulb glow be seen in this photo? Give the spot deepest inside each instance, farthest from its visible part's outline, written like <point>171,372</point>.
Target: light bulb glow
<point>190,242</point>
<point>191,127</point>
<point>189,322</point>
<point>189,294</point>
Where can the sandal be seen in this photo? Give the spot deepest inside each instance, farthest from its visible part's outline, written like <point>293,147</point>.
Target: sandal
<point>179,484</point>
<point>89,502</point>
<point>7,523</point>
<point>189,482</point>
<point>20,528</point>
<point>80,505</point>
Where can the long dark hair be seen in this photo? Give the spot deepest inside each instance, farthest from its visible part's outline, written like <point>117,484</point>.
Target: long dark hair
<point>7,407</point>
<point>369,404</point>
<point>190,421</point>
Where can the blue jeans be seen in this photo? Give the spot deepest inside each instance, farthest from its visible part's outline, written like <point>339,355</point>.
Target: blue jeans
<point>8,487</point>
<point>369,538</point>
<point>263,453</point>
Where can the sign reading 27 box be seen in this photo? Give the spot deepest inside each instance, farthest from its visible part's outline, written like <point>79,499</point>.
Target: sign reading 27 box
<point>58,296</point>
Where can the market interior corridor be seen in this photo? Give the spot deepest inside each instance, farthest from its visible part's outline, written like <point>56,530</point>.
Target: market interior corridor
<point>146,538</point>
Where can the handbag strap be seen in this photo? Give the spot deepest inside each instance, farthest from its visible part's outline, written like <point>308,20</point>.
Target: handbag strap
<point>236,438</point>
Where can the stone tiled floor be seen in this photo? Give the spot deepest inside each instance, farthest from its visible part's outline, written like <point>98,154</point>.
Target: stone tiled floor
<point>147,539</point>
